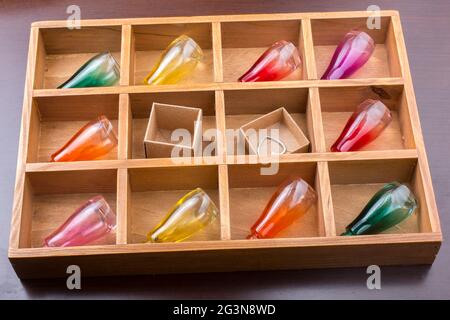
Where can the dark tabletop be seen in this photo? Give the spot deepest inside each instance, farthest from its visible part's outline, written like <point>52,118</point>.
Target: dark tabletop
<point>426,25</point>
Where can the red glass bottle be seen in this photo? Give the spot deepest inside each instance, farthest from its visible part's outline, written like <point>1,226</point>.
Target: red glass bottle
<point>92,141</point>
<point>365,125</point>
<point>276,63</point>
<point>291,201</point>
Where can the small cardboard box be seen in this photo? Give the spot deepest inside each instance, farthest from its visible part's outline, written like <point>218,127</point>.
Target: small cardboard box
<point>164,119</point>
<point>289,133</point>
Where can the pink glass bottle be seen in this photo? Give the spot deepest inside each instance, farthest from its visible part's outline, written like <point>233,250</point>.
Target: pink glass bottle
<point>351,54</point>
<point>92,141</point>
<point>93,220</point>
<point>291,201</point>
<point>365,125</point>
<point>276,63</point>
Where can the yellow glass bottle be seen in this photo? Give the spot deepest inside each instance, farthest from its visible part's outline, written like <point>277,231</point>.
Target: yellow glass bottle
<point>178,61</point>
<point>189,215</point>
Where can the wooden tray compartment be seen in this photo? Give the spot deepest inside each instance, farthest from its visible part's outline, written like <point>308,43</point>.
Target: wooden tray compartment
<point>245,41</point>
<point>150,41</point>
<point>54,120</point>
<point>51,197</point>
<point>354,183</point>
<point>242,106</point>
<point>338,104</point>
<point>328,33</point>
<point>153,191</point>
<point>249,192</point>
<point>142,190</point>
<point>62,51</point>
<point>140,106</point>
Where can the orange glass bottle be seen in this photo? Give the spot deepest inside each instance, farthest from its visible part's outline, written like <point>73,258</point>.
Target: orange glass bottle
<point>94,140</point>
<point>291,201</point>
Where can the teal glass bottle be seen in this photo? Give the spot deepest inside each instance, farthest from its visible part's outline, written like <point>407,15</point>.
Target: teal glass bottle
<point>101,70</point>
<point>389,206</point>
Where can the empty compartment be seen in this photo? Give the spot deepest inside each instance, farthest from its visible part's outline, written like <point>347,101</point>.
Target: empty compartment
<point>54,120</point>
<point>328,33</point>
<point>150,41</point>
<point>353,183</point>
<point>62,51</point>
<point>141,106</point>
<point>338,104</point>
<point>251,186</point>
<point>164,120</point>
<point>244,106</point>
<point>245,41</point>
<point>51,197</point>
<point>154,191</point>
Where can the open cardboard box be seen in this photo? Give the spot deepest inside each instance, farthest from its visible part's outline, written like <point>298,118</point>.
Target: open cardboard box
<point>289,134</point>
<point>164,119</point>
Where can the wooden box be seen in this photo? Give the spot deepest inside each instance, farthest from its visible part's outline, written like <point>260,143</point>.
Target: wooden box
<point>164,119</point>
<point>142,190</point>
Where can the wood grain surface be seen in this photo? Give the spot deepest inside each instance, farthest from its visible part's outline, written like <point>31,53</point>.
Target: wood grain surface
<point>428,49</point>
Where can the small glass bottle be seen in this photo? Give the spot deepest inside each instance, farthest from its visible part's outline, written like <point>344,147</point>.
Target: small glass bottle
<point>188,216</point>
<point>350,55</point>
<point>96,139</point>
<point>100,71</point>
<point>388,207</point>
<point>177,62</point>
<point>290,202</point>
<point>276,63</point>
<point>365,125</point>
<point>92,221</point>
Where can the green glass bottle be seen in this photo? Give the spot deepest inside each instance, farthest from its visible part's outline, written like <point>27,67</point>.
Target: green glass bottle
<point>389,206</point>
<point>101,70</point>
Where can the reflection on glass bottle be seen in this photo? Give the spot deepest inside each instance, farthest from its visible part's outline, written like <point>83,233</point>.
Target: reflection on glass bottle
<point>389,206</point>
<point>351,54</point>
<point>100,71</point>
<point>276,63</point>
<point>178,61</point>
<point>92,221</point>
<point>291,201</point>
<point>365,125</point>
<point>96,139</point>
<point>189,215</point>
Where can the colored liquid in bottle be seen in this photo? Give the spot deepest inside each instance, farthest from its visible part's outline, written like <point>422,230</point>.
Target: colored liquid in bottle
<point>290,202</point>
<point>388,207</point>
<point>93,220</point>
<point>100,71</point>
<point>188,216</point>
<point>364,126</point>
<point>276,63</point>
<point>177,62</point>
<point>94,140</point>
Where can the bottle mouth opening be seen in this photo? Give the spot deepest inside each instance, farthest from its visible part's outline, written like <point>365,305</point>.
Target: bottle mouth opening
<point>108,129</point>
<point>196,48</point>
<point>116,65</point>
<point>212,203</point>
<point>106,213</point>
